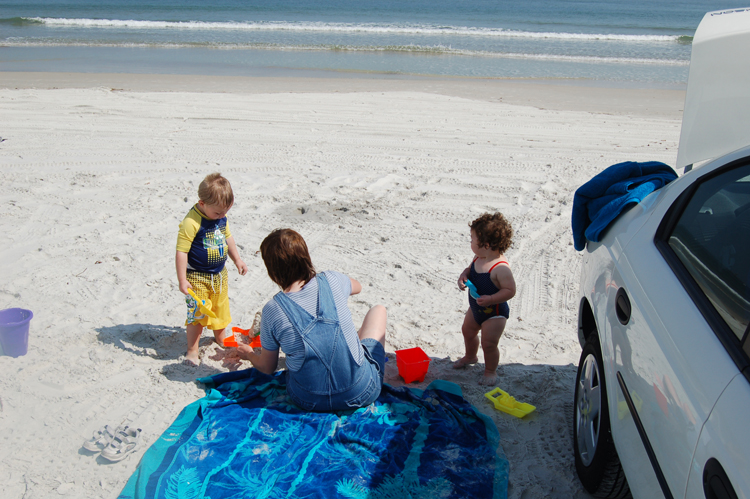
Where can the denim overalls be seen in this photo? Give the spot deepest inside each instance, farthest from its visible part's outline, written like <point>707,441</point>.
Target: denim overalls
<point>329,379</point>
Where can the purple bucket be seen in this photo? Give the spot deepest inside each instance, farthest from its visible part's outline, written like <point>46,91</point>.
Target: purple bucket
<point>14,331</point>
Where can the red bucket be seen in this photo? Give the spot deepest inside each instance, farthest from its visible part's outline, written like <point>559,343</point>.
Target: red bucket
<point>412,364</point>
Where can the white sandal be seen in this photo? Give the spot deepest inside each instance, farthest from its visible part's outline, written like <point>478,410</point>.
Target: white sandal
<point>125,441</point>
<point>100,439</point>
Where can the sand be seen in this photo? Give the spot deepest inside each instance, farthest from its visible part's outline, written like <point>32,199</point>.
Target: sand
<point>381,176</point>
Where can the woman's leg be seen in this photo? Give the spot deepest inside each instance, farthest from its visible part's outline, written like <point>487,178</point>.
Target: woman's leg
<point>374,324</point>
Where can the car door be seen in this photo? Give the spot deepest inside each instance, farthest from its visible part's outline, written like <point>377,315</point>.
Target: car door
<point>669,349</point>
<point>721,465</point>
<point>716,267</point>
<point>658,367</point>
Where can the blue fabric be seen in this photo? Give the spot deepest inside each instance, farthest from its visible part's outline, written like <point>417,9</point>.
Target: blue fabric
<point>244,439</point>
<point>600,200</point>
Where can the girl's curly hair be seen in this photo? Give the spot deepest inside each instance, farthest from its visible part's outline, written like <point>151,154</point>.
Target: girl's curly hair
<point>493,231</point>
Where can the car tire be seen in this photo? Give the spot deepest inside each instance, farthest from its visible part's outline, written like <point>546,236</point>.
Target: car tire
<point>597,462</point>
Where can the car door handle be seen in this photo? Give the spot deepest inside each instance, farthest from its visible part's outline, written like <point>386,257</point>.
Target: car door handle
<point>716,484</point>
<point>622,306</point>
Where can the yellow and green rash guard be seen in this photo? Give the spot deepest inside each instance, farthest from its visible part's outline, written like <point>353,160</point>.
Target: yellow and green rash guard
<point>204,240</point>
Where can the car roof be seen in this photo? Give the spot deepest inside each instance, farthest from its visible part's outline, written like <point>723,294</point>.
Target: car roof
<point>716,116</point>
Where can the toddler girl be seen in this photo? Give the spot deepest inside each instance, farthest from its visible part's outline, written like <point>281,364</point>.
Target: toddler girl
<point>490,273</point>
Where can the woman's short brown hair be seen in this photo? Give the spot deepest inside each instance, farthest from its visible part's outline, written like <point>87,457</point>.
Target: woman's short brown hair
<point>216,190</point>
<point>287,259</point>
<point>493,231</point>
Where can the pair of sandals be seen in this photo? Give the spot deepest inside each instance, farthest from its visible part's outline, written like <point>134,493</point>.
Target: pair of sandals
<point>114,444</point>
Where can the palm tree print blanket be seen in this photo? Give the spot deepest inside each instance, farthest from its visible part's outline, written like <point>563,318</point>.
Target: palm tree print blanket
<point>245,439</point>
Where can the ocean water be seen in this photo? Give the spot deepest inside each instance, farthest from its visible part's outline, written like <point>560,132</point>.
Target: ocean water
<point>634,42</point>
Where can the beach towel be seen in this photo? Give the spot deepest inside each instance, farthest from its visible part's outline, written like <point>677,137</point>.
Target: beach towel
<point>244,439</point>
<point>598,202</point>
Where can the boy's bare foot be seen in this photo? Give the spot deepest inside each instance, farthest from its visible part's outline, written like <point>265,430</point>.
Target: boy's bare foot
<point>488,379</point>
<point>463,362</point>
<point>219,338</point>
<point>192,361</point>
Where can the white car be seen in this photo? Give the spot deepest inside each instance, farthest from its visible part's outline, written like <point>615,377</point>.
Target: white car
<point>662,398</point>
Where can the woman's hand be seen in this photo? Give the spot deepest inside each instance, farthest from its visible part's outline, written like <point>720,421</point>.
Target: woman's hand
<point>246,352</point>
<point>266,361</point>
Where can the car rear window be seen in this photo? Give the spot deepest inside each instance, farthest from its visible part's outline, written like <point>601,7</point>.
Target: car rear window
<point>712,240</point>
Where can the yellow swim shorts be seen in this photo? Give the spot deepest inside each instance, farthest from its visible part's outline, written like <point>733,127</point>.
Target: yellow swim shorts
<point>213,287</point>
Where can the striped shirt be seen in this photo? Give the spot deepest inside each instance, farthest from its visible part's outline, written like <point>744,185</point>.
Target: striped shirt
<point>277,332</point>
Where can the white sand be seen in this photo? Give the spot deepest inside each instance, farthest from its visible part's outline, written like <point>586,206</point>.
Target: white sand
<point>381,181</point>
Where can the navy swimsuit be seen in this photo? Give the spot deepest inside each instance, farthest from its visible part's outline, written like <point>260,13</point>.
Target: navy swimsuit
<point>485,286</point>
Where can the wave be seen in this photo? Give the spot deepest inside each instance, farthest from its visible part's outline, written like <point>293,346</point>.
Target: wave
<point>412,49</point>
<point>20,21</point>
<point>402,29</point>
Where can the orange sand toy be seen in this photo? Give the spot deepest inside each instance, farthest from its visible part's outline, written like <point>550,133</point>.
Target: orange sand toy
<point>506,403</point>
<point>254,343</point>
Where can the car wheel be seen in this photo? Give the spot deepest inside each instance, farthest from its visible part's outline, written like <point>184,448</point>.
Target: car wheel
<point>597,462</point>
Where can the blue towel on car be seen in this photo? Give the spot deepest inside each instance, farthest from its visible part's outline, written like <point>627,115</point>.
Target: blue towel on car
<point>245,439</point>
<point>600,200</point>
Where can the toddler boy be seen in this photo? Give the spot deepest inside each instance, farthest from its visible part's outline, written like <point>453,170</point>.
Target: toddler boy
<point>203,244</point>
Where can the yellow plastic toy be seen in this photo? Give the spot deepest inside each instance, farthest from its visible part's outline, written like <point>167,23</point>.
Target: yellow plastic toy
<point>204,305</point>
<point>506,403</point>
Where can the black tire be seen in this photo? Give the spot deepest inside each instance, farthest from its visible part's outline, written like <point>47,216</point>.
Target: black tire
<point>597,462</point>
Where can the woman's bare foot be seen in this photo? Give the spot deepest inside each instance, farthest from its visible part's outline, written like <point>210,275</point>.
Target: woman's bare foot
<point>488,379</point>
<point>463,362</point>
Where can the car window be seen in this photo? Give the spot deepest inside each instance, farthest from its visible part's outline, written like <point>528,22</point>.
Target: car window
<point>712,240</point>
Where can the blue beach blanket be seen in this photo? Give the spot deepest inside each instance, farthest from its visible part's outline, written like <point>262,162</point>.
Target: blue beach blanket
<point>244,439</point>
<point>599,201</point>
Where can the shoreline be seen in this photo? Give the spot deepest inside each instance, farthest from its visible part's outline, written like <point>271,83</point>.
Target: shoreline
<point>559,95</point>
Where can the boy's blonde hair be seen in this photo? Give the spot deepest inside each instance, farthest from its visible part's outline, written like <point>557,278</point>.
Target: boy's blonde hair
<point>216,190</point>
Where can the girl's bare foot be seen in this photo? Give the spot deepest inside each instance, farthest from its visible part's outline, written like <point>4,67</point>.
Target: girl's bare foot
<point>463,362</point>
<point>488,379</point>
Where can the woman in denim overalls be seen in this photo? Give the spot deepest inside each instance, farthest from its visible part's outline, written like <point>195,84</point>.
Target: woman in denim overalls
<point>330,365</point>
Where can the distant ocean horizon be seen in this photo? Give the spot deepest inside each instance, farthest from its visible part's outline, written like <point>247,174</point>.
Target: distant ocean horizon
<point>640,42</point>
